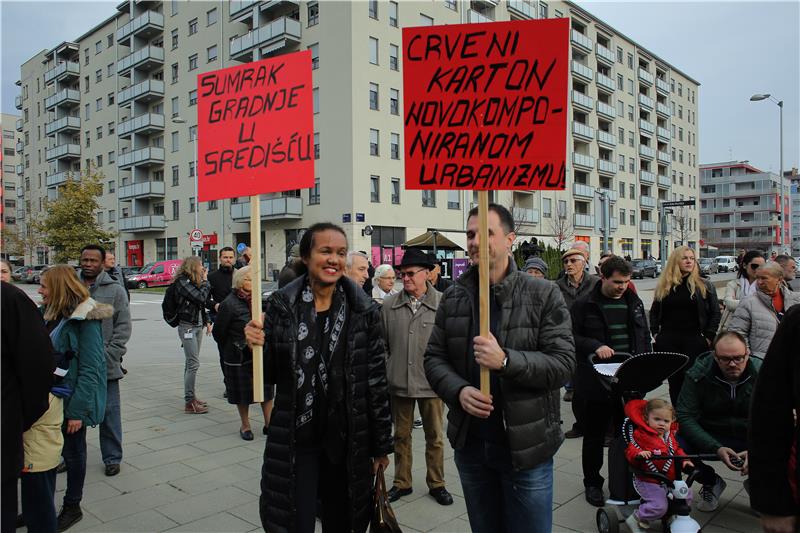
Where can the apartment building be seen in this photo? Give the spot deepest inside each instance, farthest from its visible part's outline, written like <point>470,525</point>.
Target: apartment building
<point>740,208</point>
<point>121,99</point>
<point>11,207</point>
<point>794,178</point>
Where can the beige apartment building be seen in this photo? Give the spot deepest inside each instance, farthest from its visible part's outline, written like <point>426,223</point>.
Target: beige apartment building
<point>11,206</point>
<point>121,98</point>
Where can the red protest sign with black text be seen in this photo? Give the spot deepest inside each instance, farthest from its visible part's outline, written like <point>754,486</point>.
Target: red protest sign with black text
<point>256,128</point>
<point>486,105</point>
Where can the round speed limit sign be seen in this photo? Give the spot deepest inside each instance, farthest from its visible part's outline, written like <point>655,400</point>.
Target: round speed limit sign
<point>196,236</point>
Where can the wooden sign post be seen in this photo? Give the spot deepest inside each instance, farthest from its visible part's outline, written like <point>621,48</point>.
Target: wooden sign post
<point>485,108</point>
<point>256,135</point>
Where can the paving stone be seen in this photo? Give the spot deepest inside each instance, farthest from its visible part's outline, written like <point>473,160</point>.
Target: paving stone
<point>144,522</point>
<point>424,514</point>
<point>210,461</point>
<point>219,523</point>
<point>162,457</point>
<point>213,479</point>
<point>225,442</point>
<point>170,441</point>
<point>247,512</point>
<point>133,481</point>
<point>206,504</point>
<point>134,502</point>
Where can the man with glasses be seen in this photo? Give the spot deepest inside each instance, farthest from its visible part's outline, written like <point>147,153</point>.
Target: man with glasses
<point>407,324</point>
<point>713,409</point>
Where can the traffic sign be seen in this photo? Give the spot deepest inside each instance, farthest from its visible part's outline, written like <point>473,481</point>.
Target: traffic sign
<point>196,236</point>
<point>678,203</point>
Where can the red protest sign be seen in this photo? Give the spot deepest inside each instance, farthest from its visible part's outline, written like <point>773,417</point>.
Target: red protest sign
<point>486,105</point>
<point>256,128</point>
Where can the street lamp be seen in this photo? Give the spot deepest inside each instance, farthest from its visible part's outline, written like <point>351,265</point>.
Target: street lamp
<point>758,98</point>
<point>179,120</point>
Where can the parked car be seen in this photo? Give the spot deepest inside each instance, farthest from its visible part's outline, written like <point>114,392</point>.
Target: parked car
<point>726,263</point>
<point>34,273</point>
<point>707,266</point>
<point>130,271</point>
<point>643,268</point>
<point>18,272</point>
<point>155,274</point>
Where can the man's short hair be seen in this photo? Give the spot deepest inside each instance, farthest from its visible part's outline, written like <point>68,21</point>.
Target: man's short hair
<point>351,254</point>
<point>95,247</point>
<point>782,259</point>
<point>506,220</point>
<point>615,264</point>
<point>228,249</point>
<point>728,334</point>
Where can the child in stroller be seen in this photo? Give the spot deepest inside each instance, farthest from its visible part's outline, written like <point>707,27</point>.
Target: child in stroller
<point>653,435</point>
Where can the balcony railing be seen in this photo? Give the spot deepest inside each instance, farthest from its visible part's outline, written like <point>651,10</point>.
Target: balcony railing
<point>647,226</point>
<point>663,109</point>
<point>521,8</point>
<point>70,151</point>
<point>20,169</point>
<point>664,157</point>
<point>606,167</point>
<point>581,160</point>
<point>142,223</point>
<point>603,137</point>
<point>605,81</point>
<point>663,133</point>
<point>146,57</point>
<point>646,102</point>
<point>606,110</point>
<point>646,76</point>
<point>648,202</point>
<point>284,27</point>
<point>145,90</point>
<point>19,124</point>
<point>604,53</point>
<point>582,130</point>
<point>54,180</point>
<point>20,147</point>
<point>67,97</point>
<point>62,124</point>
<point>611,195</point>
<point>143,156</point>
<point>66,70</point>
<point>144,189</point>
<point>582,190</point>
<point>583,221</point>
<point>146,24</point>
<point>662,86</point>
<point>18,102</point>
<point>646,151</point>
<point>283,207</point>
<point>582,70</point>
<point>237,6</point>
<point>475,16</point>
<point>147,123</point>
<point>525,216</point>
<point>646,177</point>
<point>581,40</point>
<point>646,126</point>
<point>582,100</point>
<point>664,181</point>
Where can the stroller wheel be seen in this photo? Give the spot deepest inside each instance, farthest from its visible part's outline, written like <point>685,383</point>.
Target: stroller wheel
<point>607,520</point>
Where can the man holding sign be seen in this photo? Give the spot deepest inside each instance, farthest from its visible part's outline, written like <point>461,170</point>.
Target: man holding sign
<point>505,441</point>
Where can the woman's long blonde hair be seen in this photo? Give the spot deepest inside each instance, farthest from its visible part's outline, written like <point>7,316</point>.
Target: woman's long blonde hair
<point>672,276</point>
<point>189,267</point>
<point>65,292</point>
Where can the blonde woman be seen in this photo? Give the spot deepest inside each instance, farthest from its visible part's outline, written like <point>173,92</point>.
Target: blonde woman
<point>74,321</point>
<point>192,289</point>
<point>685,312</point>
<point>383,283</point>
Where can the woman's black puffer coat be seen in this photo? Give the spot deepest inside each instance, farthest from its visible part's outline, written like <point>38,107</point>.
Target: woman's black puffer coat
<point>369,431</point>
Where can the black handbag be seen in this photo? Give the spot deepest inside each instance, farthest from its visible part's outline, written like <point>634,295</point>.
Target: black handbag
<point>383,518</point>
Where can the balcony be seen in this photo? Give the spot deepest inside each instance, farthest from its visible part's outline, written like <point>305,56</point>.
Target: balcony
<point>609,168</point>
<point>238,7</point>
<point>664,157</point>
<point>67,98</point>
<point>145,124</point>
<point>65,124</point>
<point>605,82</point>
<point>146,25</point>
<point>54,180</point>
<point>614,223</point>
<point>523,215</point>
<point>646,127</point>
<point>585,162</point>
<point>604,54</point>
<point>64,151</point>
<point>581,190</point>
<point>143,157</point>
<point>662,86</point>
<point>583,221</point>
<point>143,189</point>
<point>20,192</point>
<point>67,71</point>
<point>647,202</point>
<point>523,9</point>
<point>145,92</point>
<point>20,169</point>
<point>646,102</point>
<point>611,195</point>
<point>607,111</point>
<point>273,36</point>
<point>663,134</point>
<point>582,71</point>
<point>142,223</point>
<point>582,131</point>
<point>664,182</point>
<point>583,101</point>
<point>581,41</point>
<point>606,138</point>
<point>646,177</point>
<point>487,3</point>
<point>20,147</point>
<point>663,110</point>
<point>646,151</point>
<point>19,124</point>
<point>475,16</point>
<point>645,76</point>
<point>647,226</point>
<point>146,58</point>
<point>271,208</point>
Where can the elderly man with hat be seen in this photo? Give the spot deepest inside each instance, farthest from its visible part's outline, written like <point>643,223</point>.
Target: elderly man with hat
<point>536,267</point>
<point>408,318</point>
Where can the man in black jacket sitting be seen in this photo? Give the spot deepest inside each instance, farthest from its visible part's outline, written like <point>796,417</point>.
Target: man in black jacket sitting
<point>606,320</point>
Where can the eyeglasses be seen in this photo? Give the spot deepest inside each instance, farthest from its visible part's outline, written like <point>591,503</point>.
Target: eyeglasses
<point>410,273</point>
<point>754,266</point>
<point>736,359</point>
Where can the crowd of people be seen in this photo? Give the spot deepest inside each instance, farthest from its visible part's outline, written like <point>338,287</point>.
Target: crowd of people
<point>350,357</point>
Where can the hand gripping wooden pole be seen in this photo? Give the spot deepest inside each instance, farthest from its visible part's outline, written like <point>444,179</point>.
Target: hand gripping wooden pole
<point>483,281</point>
<point>255,308</point>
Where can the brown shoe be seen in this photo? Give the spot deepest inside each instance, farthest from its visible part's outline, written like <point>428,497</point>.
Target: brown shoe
<point>195,407</point>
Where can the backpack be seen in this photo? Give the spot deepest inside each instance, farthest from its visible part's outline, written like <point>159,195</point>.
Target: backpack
<point>169,307</point>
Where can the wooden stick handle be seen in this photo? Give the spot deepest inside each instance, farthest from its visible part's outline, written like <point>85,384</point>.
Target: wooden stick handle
<point>255,308</point>
<point>483,271</point>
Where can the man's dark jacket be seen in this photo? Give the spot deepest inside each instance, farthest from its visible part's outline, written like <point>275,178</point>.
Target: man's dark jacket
<point>773,433</point>
<point>570,293</point>
<point>590,325</point>
<point>535,332</point>
<point>221,281</point>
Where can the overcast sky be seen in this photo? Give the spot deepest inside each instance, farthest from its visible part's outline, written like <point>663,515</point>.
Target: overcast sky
<point>734,49</point>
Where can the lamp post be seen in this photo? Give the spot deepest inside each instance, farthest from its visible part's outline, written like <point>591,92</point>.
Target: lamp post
<point>179,120</point>
<point>779,103</point>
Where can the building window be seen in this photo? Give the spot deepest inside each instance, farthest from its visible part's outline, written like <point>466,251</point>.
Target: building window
<point>193,97</point>
<point>394,101</point>
<point>622,219</point>
<point>631,164</point>
<point>630,86</point>
<point>110,98</point>
<point>621,189</point>
<point>620,108</point>
<point>98,104</point>
<point>395,191</point>
<point>633,218</point>
<point>315,95</point>
<point>630,113</point>
<point>176,108</point>
<point>394,146</point>
<point>175,176</point>
<point>192,26</point>
<point>191,169</point>
<point>174,73</point>
<point>110,70</point>
<point>211,52</point>
<point>428,198</point>
<point>176,209</point>
<point>394,62</point>
<point>112,186</point>
<point>98,47</point>
<point>192,62</point>
<point>621,136</point>
<point>374,189</point>
<point>316,145</point>
<point>192,133</point>
<point>175,141</point>
<point>110,128</point>
<point>630,61</point>
<point>451,4</point>
<point>98,75</point>
<point>542,10</point>
<point>211,17</point>
<point>373,50</point>
<point>630,139</point>
<point>374,141</point>
<point>99,132</point>
<point>425,20</point>
<point>619,55</point>
<point>173,12</point>
<point>453,199</point>
<point>373,96</point>
<point>314,56</point>
<point>191,204</point>
<point>632,191</point>
<point>313,14</point>
<point>393,14</point>
<point>175,38</point>
<point>99,160</point>
<point>620,82</point>
<point>111,157</point>
<point>88,137</point>
<point>547,208</point>
<point>621,165</point>
<point>373,9</point>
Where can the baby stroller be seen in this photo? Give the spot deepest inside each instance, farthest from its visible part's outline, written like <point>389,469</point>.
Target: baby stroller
<point>631,377</point>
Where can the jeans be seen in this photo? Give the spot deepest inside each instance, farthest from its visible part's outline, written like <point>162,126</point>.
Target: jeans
<point>38,508</point>
<point>191,350</point>
<point>74,453</point>
<point>111,427</point>
<point>432,412</point>
<point>501,499</point>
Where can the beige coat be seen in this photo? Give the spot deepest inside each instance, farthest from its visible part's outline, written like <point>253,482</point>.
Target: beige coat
<point>43,441</point>
<point>407,336</point>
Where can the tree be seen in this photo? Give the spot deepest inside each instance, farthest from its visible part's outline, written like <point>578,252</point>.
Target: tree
<point>19,242</point>
<point>681,225</point>
<point>70,222</point>
<point>562,230</point>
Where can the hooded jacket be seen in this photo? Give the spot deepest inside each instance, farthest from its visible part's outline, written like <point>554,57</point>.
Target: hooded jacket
<point>647,439</point>
<point>116,328</point>
<point>756,319</point>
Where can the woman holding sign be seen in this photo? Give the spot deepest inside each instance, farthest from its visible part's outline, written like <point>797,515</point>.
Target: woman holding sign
<point>331,425</point>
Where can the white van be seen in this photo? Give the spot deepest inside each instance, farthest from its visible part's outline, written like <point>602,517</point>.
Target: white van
<point>726,263</point>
